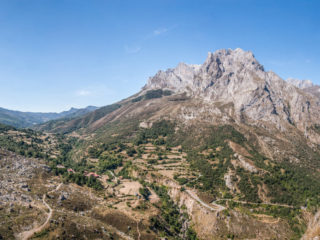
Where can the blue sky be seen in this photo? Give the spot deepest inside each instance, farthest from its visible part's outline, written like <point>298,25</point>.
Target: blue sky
<point>57,54</point>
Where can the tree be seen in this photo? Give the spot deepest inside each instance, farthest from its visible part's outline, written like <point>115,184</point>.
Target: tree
<point>145,192</point>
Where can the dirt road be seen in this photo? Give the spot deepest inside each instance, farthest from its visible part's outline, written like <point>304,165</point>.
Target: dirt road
<point>245,202</point>
<point>216,207</point>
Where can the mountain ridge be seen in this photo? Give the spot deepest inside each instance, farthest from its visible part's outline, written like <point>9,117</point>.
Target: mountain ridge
<point>27,119</point>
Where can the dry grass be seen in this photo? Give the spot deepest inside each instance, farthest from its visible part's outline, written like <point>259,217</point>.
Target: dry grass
<point>129,188</point>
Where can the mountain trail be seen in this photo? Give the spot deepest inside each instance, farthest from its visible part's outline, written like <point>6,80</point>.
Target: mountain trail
<point>138,230</point>
<point>28,234</point>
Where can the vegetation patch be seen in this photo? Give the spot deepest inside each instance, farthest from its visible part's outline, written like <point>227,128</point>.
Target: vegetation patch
<point>157,93</point>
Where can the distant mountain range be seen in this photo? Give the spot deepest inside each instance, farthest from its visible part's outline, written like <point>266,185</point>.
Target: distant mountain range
<point>28,119</point>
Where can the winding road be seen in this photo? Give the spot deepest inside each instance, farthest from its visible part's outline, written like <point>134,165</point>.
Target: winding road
<point>245,202</point>
<point>28,234</point>
<point>216,207</point>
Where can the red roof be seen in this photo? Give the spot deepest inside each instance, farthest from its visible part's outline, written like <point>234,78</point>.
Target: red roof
<point>93,174</point>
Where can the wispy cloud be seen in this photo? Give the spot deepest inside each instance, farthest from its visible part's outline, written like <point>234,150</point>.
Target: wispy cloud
<point>160,31</point>
<point>136,48</point>
<point>83,93</point>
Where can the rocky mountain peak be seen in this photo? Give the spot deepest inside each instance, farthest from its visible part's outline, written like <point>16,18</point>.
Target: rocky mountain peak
<point>300,83</point>
<point>228,58</point>
<point>235,77</point>
<point>223,63</point>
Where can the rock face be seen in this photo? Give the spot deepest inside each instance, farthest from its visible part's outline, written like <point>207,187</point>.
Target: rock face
<point>236,77</point>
